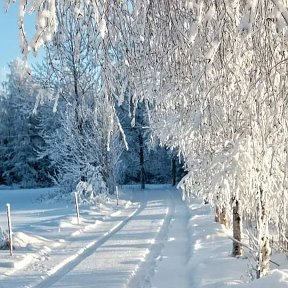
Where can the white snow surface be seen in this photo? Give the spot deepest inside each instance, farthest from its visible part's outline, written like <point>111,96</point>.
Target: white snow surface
<point>151,239</point>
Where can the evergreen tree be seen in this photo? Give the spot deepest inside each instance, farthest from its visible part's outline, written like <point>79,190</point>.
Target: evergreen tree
<point>20,136</point>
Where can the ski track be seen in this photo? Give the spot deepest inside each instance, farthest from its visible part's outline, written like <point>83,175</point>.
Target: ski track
<point>119,261</point>
<point>175,254</point>
<point>66,266</point>
<point>146,270</point>
<point>49,271</point>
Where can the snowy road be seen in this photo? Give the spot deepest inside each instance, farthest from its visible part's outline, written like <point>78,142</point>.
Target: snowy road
<point>133,247</point>
<point>151,240</point>
<point>117,260</point>
<point>176,251</point>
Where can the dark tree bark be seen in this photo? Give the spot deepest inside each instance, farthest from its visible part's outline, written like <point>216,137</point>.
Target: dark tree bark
<point>173,169</point>
<point>141,160</point>
<point>237,229</point>
<point>223,217</point>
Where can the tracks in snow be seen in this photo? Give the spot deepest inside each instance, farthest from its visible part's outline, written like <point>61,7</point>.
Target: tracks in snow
<point>176,252</point>
<point>120,260</point>
<point>146,270</point>
<point>166,264</point>
<point>121,251</point>
<point>60,270</point>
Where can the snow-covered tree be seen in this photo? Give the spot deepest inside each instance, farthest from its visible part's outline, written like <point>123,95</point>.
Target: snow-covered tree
<point>86,134</point>
<point>215,72</point>
<point>145,161</point>
<point>20,136</point>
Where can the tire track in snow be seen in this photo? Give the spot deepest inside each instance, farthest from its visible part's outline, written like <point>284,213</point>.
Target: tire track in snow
<point>176,251</point>
<point>145,271</point>
<point>71,262</point>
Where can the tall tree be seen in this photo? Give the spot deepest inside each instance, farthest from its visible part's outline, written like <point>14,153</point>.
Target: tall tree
<point>20,135</point>
<point>87,134</point>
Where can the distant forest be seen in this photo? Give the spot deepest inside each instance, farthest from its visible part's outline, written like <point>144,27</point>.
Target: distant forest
<point>44,143</point>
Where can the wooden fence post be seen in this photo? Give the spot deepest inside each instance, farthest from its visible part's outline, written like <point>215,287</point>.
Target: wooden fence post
<point>9,229</point>
<point>117,195</point>
<point>77,207</point>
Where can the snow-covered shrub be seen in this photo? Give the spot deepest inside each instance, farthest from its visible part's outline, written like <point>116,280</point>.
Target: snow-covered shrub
<point>4,240</point>
<point>94,190</point>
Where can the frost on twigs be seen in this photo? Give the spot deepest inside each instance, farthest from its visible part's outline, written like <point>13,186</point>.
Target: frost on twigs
<point>94,190</point>
<point>46,20</point>
<point>45,23</point>
<point>224,112</point>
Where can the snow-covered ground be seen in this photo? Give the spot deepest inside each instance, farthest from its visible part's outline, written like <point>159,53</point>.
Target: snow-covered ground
<point>151,239</point>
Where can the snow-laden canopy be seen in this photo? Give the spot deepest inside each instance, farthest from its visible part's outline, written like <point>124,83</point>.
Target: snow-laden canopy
<point>215,73</point>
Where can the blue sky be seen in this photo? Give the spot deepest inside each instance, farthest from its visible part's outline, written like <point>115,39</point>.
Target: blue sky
<point>9,37</point>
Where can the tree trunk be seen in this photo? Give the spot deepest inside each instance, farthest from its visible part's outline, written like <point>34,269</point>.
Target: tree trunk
<point>141,160</point>
<point>263,238</point>
<point>217,214</point>
<point>223,217</point>
<point>79,120</point>
<point>173,169</point>
<point>237,229</point>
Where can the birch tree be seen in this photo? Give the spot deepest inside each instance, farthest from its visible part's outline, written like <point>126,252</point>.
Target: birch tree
<point>87,133</point>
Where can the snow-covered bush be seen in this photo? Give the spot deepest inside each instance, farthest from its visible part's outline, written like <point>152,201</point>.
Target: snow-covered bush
<point>94,190</point>
<point>4,240</point>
